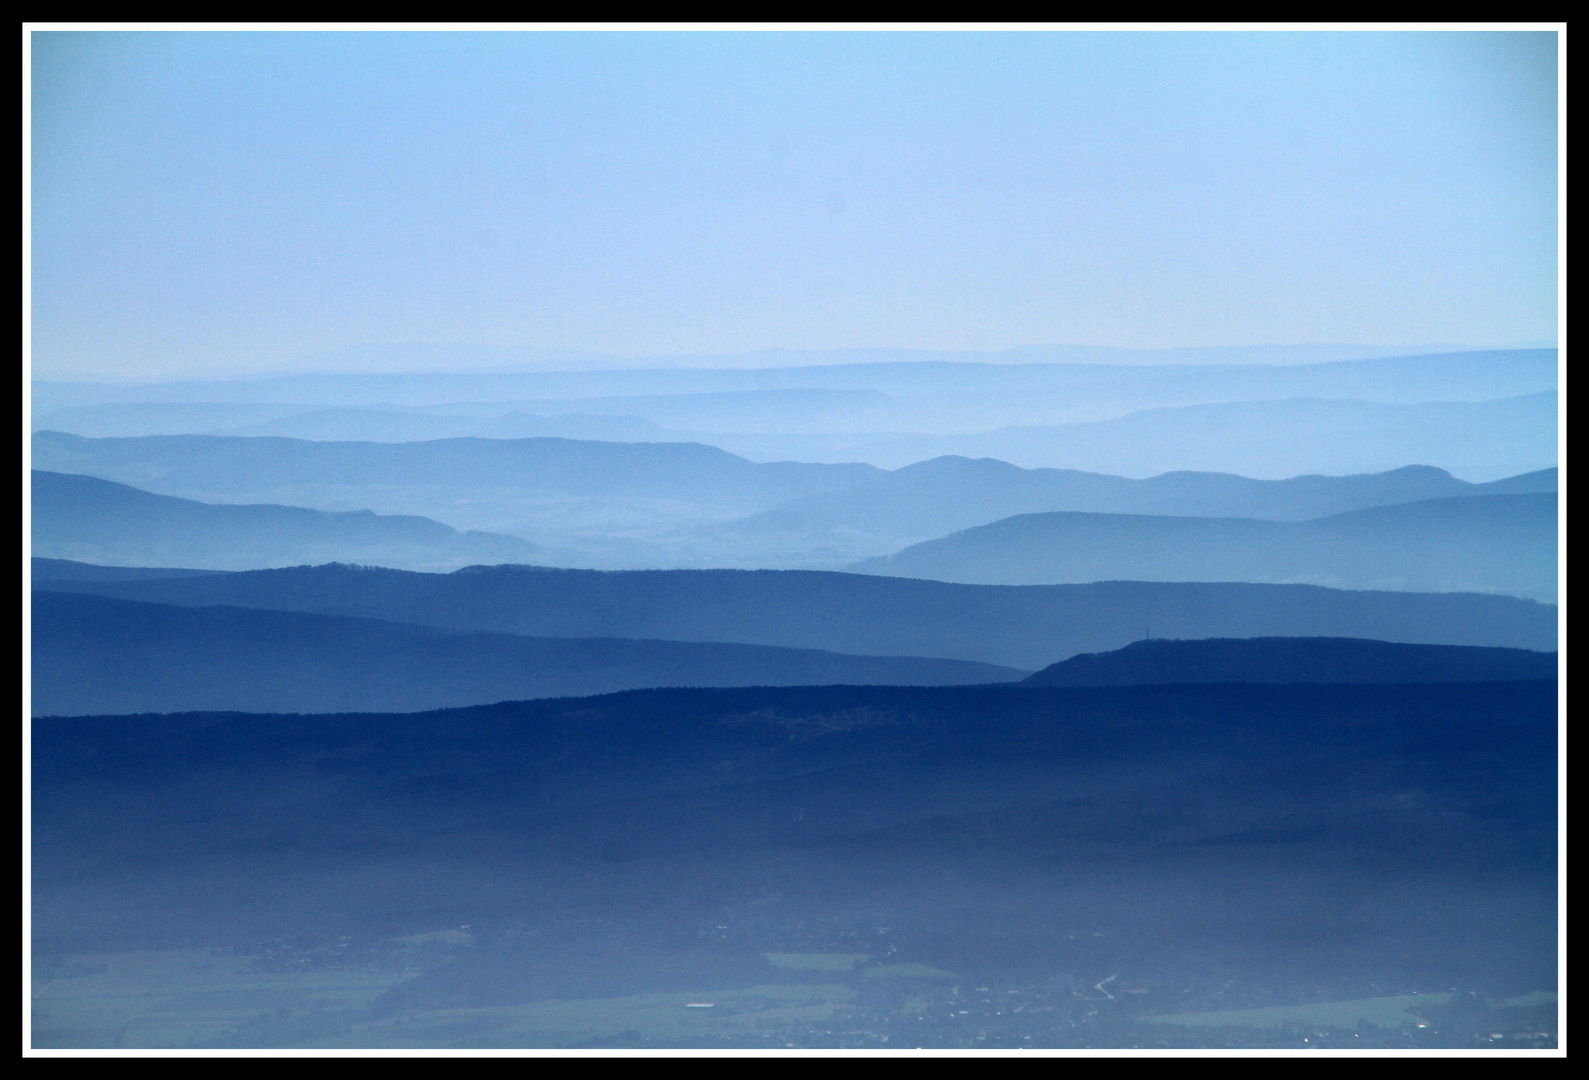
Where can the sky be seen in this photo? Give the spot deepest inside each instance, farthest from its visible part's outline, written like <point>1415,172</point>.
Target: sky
<point>229,203</point>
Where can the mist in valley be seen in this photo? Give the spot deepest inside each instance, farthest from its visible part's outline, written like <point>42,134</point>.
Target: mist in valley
<point>765,543</point>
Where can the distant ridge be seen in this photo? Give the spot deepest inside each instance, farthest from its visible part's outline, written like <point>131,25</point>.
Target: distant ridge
<point>1183,374</point>
<point>1281,660</point>
<point>236,467</point>
<point>946,494</point>
<point>52,570</point>
<point>1018,627</point>
<point>83,518</point>
<point>1477,543</point>
<point>94,654</point>
<point>1273,437</point>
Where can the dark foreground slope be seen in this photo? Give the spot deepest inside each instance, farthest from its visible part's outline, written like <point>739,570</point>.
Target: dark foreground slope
<point>87,519</point>
<point>583,869</point>
<point>1481,543</point>
<point>1294,660</point>
<point>95,654</point>
<point>1021,627</point>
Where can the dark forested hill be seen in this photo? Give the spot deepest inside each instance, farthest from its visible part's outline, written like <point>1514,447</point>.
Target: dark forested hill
<point>1020,627</point>
<point>1294,660</point>
<point>916,851</point>
<point>95,654</point>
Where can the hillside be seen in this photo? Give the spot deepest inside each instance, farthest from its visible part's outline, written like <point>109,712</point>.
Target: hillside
<point>1293,660</point>
<point>85,519</point>
<point>612,505</point>
<point>904,855</point>
<point>1483,543</point>
<point>213,466</point>
<point>52,570</point>
<point>1266,438</point>
<point>94,654</point>
<point>1019,627</point>
<point>947,494</point>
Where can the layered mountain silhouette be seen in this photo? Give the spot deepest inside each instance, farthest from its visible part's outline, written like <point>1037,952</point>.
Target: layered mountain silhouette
<point>1480,413</point>
<point>639,418</point>
<point>1261,438</point>
<point>786,409</point>
<point>52,570</point>
<point>375,425</point>
<point>452,420</point>
<point>1293,660</point>
<point>592,504</point>
<point>947,494</point>
<point>86,519</point>
<point>205,466</point>
<point>1489,543</point>
<point>1044,377</point>
<point>95,654</point>
<point>134,418</point>
<point>1019,627</point>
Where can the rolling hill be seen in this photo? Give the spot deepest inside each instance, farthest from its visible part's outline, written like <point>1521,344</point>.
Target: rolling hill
<point>1482,543</point>
<point>1228,845</point>
<point>947,494</point>
<point>1293,660</point>
<point>66,570</point>
<point>1042,376</point>
<point>213,466</point>
<point>1019,627</point>
<point>596,504</point>
<point>91,520</point>
<point>1265,438</point>
<point>95,654</point>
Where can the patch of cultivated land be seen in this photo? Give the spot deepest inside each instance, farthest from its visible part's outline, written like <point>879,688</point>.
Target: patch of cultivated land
<point>192,997</point>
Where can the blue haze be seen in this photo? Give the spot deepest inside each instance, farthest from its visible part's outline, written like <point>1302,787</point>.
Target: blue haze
<point>792,539</point>
<point>223,202</point>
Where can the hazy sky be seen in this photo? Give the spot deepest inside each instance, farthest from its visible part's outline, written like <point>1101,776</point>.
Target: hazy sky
<point>233,201</point>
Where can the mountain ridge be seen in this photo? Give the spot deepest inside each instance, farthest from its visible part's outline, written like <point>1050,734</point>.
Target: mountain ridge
<point>1409,373</point>
<point>1292,660</point>
<point>946,494</point>
<point>1490,543</point>
<point>1015,626</point>
<point>95,654</point>
<point>84,518</point>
